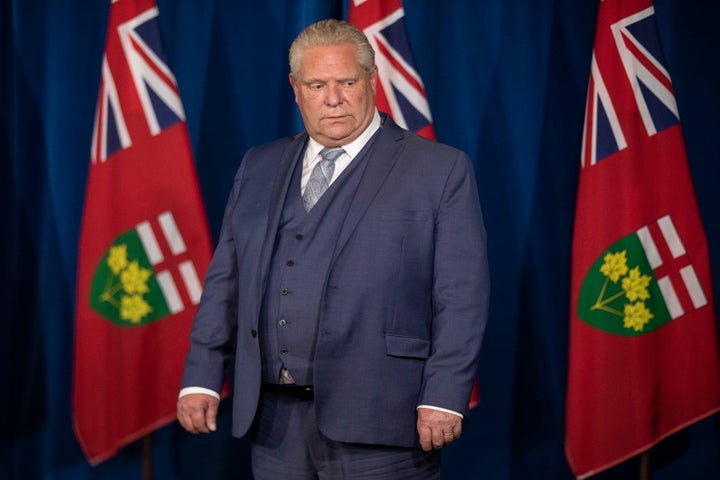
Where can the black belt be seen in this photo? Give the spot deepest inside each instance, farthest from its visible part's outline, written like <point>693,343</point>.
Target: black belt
<point>302,392</point>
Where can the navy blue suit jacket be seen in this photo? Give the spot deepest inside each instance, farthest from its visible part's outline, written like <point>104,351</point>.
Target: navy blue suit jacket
<point>406,296</point>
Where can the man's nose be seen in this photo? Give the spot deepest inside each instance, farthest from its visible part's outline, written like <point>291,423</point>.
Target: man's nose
<point>334,94</point>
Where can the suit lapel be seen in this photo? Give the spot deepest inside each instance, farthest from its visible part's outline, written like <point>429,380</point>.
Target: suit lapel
<point>288,161</point>
<point>381,157</point>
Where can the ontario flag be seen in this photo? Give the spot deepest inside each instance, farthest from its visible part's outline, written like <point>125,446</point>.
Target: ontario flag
<point>643,360</point>
<point>144,245</point>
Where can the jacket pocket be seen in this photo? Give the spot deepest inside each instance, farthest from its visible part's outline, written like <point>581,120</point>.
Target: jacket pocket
<point>393,214</point>
<point>414,347</point>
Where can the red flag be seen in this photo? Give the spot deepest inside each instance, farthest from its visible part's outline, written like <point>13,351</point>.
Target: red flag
<point>643,359</point>
<point>144,245</point>
<point>400,91</point>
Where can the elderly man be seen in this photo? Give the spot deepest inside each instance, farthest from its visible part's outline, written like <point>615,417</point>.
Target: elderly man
<point>350,284</point>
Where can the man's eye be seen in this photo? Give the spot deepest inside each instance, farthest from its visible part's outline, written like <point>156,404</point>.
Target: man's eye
<point>315,86</point>
<point>349,83</point>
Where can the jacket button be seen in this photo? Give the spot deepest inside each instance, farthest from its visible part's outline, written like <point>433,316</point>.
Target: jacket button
<point>290,263</point>
<point>283,351</point>
<point>253,332</point>
<point>283,322</point>
<point>299,236</point>
<point>283,291</point>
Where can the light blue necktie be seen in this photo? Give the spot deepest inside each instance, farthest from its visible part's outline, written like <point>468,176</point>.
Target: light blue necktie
<point>321,175</point>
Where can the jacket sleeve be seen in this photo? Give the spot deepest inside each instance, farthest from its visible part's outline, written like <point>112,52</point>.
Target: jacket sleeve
<point>213,333</point>
<point>460,292</point>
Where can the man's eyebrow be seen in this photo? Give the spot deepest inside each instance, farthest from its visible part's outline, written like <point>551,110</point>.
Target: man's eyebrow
<point>339,80</point>
<point>312,80</point>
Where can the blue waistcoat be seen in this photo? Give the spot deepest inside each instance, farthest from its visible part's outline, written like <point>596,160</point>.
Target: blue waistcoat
<point>298,273</point>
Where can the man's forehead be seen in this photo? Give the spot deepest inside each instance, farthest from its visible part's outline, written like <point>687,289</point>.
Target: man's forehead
<point>335,76</point>
<point>343,51</point>
<point>330,67</point>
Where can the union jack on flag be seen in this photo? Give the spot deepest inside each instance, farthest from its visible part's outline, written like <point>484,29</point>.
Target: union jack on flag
<point>134,56</point>
<point>400,91</point>
<point>645,90</point>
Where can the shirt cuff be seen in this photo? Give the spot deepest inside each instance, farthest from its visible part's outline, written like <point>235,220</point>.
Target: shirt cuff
<point>441,410</point>
<point>206,391</point>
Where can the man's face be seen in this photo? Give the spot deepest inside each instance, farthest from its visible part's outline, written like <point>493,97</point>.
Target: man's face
<point>335,95</point>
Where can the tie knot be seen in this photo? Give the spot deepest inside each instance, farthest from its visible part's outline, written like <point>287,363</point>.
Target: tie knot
<point>331,154</point>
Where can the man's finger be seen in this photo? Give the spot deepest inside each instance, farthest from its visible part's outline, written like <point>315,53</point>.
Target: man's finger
<point>448,437</point>
<point>457,430</point>
<point>424,433</point>
<point>198,420</point>
<point>438,441</point>
<point>211,416</point>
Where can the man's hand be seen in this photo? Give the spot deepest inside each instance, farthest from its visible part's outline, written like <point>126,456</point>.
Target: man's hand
<point>437,429</point>
<point>197,412</point>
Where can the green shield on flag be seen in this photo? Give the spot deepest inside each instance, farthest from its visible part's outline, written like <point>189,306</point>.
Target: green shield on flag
<point>620,293</point>
<point>124,289</point>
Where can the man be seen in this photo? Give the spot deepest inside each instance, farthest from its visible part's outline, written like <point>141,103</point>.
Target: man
<point>352,290</point>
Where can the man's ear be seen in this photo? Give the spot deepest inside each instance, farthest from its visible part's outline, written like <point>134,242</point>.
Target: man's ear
<point>373,78</point>
<point>294,85</point>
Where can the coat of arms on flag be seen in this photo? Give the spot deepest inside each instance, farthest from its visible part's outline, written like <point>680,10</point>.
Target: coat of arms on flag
<point>133,285</point>
<point>641,282</point>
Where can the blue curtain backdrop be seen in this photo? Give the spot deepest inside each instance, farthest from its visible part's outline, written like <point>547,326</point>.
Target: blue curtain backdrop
<point>506,82</point>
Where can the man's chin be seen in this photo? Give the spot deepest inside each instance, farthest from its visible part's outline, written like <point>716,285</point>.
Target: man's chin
<point>337,128</point>
<point>340,136</point>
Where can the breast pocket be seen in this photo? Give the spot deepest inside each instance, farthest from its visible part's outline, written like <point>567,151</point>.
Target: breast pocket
<point>407,215</point>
